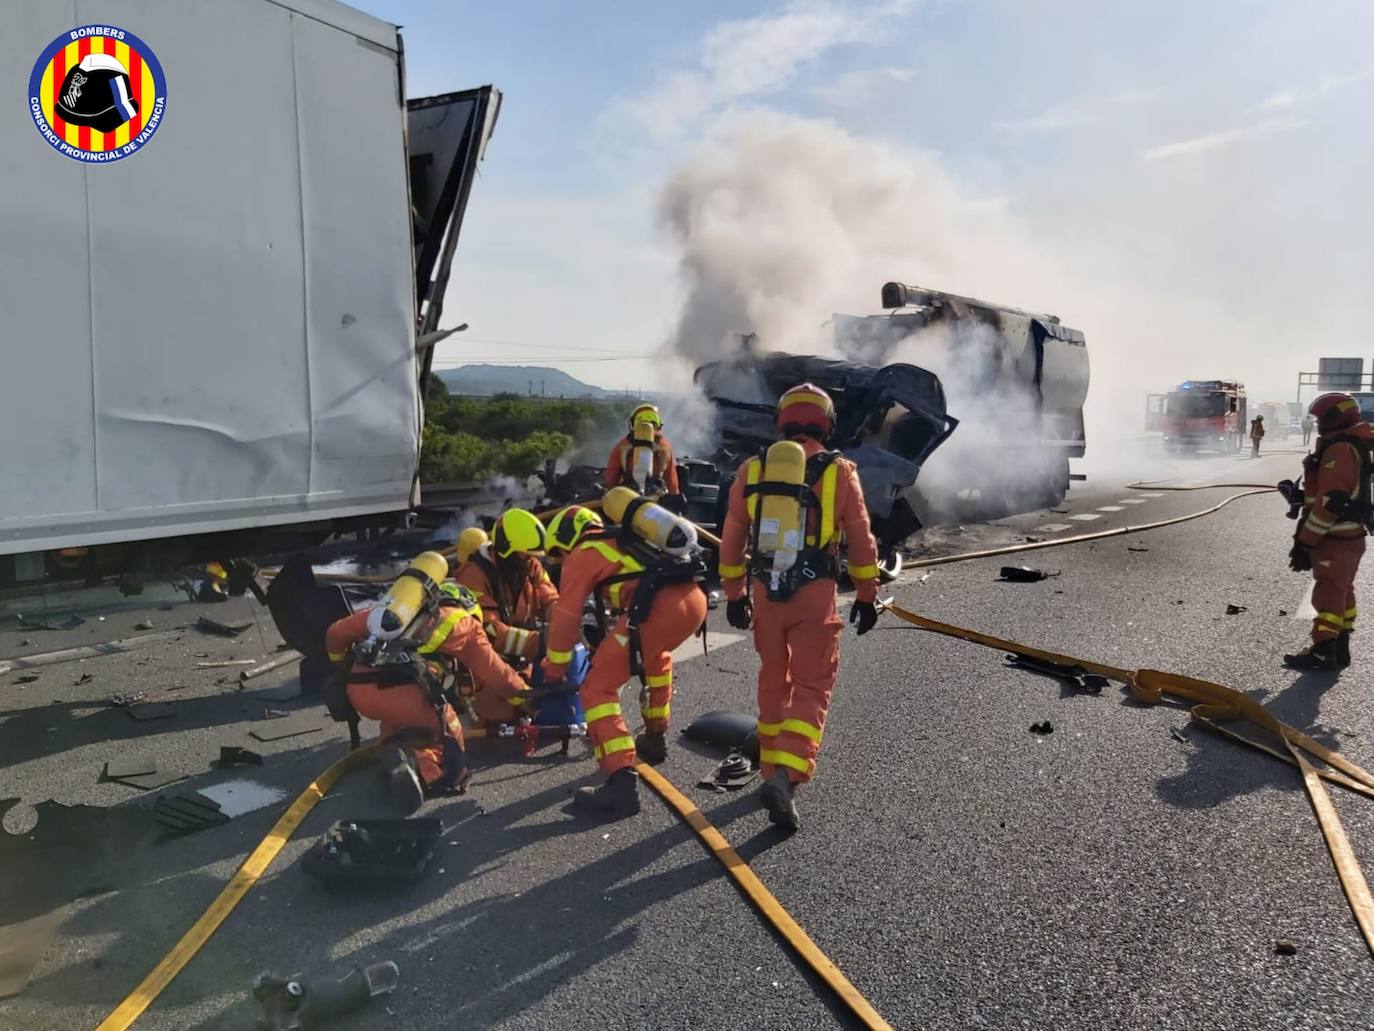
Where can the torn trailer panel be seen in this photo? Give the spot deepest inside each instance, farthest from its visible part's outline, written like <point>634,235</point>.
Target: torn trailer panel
<point>217,334</point>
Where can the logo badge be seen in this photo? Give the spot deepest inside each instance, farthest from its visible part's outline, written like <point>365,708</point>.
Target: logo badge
<point>97,94</point>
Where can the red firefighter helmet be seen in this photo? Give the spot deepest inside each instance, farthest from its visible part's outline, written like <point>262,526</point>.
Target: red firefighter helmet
<point>1335,411</point>
<point>806,406</point>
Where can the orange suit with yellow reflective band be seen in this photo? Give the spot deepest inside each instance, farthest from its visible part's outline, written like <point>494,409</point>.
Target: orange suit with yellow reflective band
<point>798,640</point>
<point>678,610</point>
<point>516,639</point>
<point>1336,546</point>
<point>664,466</point>
<point>454,635</point>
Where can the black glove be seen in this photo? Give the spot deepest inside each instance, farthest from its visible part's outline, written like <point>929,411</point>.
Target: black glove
<point>866,614</point>
<point>737,613</point>
<point>1299,558</point>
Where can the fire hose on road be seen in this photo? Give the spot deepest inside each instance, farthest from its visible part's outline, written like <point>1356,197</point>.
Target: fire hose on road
<point>1211,704</point>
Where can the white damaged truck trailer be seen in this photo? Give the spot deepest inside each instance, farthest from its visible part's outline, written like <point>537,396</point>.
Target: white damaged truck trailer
<point>226,237</point>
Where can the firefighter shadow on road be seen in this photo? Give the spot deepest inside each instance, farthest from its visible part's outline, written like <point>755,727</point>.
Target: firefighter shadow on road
<point>1220,769</point>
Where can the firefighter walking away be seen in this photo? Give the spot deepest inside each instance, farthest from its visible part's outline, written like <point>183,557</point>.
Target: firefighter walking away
<point>1334,520</point>
<point>792,509</point>
<point>646,576</point>
<point>1256,435</point>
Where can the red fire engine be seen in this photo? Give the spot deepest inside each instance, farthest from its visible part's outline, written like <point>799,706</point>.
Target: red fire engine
<point>1201,413</point>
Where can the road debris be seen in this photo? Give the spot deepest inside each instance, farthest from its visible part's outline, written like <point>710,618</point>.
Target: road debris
<point>1128,548</point>
<point>236,797</point>
<point>27,678</point>
<point>730,774</point>
<point>233,755</point>
<point>225,663</point>
<point>1235,610</point>
<point>144,711</point>
<point>41,623</point>
<point>1075,676</point>
<point>285,659</point>
<point>735,731</point>
<point>294,1002</point>
<point>1282,947</point>
<point>144,624</point>
<point>214,626</point>
<point>87,651</point>
<point>373,852</point>
<point>1042,728</point>
<point>189,811</point>
<point>288,726</point>
<point>1023,575</point>
<point>1178,735</point>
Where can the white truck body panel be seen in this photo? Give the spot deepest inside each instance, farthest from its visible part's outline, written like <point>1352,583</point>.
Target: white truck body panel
<point>217,331</point>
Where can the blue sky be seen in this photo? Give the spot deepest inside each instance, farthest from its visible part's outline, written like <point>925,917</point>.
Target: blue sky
<point>1194,175</point>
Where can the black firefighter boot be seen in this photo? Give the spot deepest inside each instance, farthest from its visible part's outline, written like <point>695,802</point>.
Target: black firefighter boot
<point>652,747</point>
<point>616,799</point>
<point>404,779</point>
<point>1323,656</point>
<point>777,797</point>
<point>1343,649</point>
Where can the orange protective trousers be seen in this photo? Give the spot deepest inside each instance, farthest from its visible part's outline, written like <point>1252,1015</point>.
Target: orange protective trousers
<point>798,641</point>
<point>678,611</point>
<point>405,707</point>
<point>1334,564</point>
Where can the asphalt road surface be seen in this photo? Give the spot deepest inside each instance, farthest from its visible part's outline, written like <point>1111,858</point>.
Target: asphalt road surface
<point>961,870</point>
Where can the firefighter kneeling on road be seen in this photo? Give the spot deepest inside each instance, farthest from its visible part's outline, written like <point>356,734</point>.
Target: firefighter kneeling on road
<point>515,593</point>
<point>643,460</point>
<point>1331,534</point>
<point>654,591</point>
<point>791,509</point>
<point>395,658</point>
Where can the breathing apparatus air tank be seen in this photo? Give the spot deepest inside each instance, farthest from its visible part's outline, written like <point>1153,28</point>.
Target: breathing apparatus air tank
<point>642,454</point>
<point>781,518</point>
<point>408,597</point>
<point>668,533</point>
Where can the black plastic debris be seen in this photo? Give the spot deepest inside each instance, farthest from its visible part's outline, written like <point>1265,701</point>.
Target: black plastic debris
<point>1128,548</point>
<point>1042,728</point>
<point>1022,575</point>
<point>128,766</point>
<point>233,755</point>
<point>214,626</point>
<point>1283,947</point>
<point>26,678</point>
<point>733,772</point>
<point>1235,610</point>
<point>373,852</point>
<point>151,781</point>
<point>1178,735</point>
<point>150,711</point>
<point>186,812</point>
<point>71,622</point>
<point>288,726</point>
<point>294,1002</point>
<point>736,731</point>
<point>1075,676</point>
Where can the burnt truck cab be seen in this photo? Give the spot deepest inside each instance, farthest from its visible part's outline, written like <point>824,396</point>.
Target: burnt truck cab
<point>888,420</point>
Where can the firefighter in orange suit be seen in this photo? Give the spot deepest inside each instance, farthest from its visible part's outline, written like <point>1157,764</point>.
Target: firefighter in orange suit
<point>511,584</point>
<point>660,477</point>
<point>429,758</point>
<point>595,566</point>
<point>796,628</point>
<point>1330,538</point>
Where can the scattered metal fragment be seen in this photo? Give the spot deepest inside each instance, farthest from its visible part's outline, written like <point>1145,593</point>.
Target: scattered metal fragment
<point>150,711</point>
<point>124,700</point>
<point>225,663</point>
<point>731,773</point>
<point>1283,612</point>
<point>1042,728</point>
<point>1023,575</point>
<point>1075,676</point>
<point>128,766</point>
<point>233,755</point>
<point>85,678</point>
<point>1178,735</point>
<point>290,1003</point>
<point>144,624</point>
<point>1129,548</point>
<point>290,726</point>
<point>152,781</point>
<point>1235,610</point>
<point>285,659</point>
<point>378,852</point>
<point>41,623</point>
<point>188,811</point>
<point>214,626</point>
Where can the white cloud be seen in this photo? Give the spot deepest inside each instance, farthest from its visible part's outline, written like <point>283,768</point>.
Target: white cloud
<point>1079,114</point>
<point>756,57</point>
<point>1294,96</point>
<point>859,86</point>
<point>1213,141</point>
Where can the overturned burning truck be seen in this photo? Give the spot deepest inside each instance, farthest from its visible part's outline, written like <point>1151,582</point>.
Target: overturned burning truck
<point>1025,375</point>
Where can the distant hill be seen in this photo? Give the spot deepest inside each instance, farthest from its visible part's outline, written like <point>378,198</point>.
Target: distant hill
<point>518,379</point>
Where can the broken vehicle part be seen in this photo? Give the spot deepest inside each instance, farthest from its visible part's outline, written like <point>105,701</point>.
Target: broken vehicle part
<point>276,728</point>
<point>304,609</point>
<point>1075,676</point>
<point>1022,575</point>
<point>186,812</point>
<point>736,731</point>
<point>71,622</point>
<point>290,1003</point>
<point>733,772</point>
<point>214,626</point>
<point>1042,728</point>
<point>233,755</point>
<point>267,667</point>
<point>378,852</point>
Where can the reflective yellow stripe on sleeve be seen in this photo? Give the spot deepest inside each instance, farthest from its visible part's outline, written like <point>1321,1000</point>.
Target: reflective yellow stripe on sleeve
<point>806,730</point>
<point>559,658</point>
<point>869,572</point>
<point>731,572</point>
<point>659,680</point>
<point>600,712</point>
<point>1331,619</point>
<point>337,656</point>
<point>441,631</point>
<point>656,712</point>
<point>769,729</point>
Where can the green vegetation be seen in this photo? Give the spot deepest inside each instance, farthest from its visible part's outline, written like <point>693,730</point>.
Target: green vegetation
<point>469,440</point>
